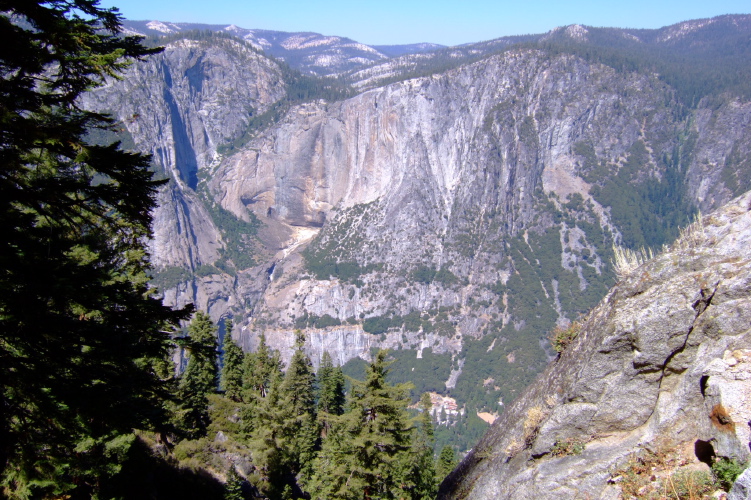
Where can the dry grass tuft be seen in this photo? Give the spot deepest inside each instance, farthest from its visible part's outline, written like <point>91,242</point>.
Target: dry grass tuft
<point>626,260</point>
<point>692,235</point>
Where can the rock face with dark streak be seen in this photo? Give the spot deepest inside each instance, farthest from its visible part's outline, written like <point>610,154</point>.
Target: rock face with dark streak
<point>663,364</point>
<point>180,106</point>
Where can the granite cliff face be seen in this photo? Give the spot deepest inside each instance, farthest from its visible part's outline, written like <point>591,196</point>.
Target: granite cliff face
<point>180,106</point>
<point>440,173</point>
<point>462,214</point>
<point>661,367</point>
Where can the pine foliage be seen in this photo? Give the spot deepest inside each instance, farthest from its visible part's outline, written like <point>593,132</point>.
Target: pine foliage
<point>81,333</point>
<point>232,365</point>
<point>200,376</point>
<point>260,369</point>
<point>233,488</point>
<point>446,463</point>
<point>330,380</point>
<point>370,451</point>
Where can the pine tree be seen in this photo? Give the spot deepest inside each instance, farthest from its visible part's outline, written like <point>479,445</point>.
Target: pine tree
<point>285,429</point>
<point>446,463</point>
<point>298,387</point>
<point>232,365</point>
<point>260,368</point>
<point>80,331</point>
<point>297,404</point>
<point>369,448</point>
<point>200,376</point>
<point>264,425</point>
<point>261,372</point>
<point>422,477</point>
<point>330,388</point>
<point>233,488</point>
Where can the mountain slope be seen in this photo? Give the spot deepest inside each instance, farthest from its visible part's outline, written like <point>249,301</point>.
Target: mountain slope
<point>457,217</point>
<point>661,368</point>
<point>476,205</point>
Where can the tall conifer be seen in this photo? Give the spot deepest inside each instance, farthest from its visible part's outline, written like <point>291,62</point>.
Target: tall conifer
<point>285,430</point>
<point>80,331</point>
<point>232,365</point>
<point>200,376</point>
<point>368,450</point>
<point>446,463</point>
<point>261,375</point>
<point>298,407</point>
<point>330,387</point>
<point>422,475</point>
<point>260,368</point>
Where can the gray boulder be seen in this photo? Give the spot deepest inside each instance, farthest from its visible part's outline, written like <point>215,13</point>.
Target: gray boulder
<point>742,488</point>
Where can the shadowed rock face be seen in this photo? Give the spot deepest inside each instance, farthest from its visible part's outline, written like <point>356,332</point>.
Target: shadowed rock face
<point>663,363</point>
<point>180,106</point>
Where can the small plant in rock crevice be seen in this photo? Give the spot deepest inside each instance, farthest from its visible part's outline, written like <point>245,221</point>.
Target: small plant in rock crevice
<point>659,475</point>
<point>726,471</point>
<point>567,447</point>
<point>560,338</point>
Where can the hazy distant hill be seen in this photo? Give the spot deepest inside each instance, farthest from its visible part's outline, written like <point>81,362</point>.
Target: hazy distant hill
<point>309,52</point>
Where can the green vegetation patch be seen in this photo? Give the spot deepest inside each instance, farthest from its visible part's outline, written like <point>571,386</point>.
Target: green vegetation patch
<point>647,211</point>
<point>170,277</point>
<point>426,274</point>
<point>238,237</point>
<point>312,321</point>
<point>426,374</point>
<point>332,253</point>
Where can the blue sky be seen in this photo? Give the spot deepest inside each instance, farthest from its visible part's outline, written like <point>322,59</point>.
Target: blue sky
<point>448,22</point>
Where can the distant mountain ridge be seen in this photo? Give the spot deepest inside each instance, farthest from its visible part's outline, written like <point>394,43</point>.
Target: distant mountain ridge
<point>309,52</point>
<point>322,55</point>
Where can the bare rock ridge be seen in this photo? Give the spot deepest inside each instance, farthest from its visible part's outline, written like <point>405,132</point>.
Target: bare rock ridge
<point>662,365</point>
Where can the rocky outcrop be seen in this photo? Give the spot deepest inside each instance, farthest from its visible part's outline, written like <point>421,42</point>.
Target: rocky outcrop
<point>742,487</point>
<point>662,365</point>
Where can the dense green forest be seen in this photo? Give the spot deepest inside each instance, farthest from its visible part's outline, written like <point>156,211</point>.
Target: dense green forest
<point>294,434</point>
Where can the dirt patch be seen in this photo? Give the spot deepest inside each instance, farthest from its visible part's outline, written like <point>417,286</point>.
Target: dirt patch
<point>721,419</point>
<point>487,417</point>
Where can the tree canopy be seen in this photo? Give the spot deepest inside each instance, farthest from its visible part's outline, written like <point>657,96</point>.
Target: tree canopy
<point>81,332</point>
<point>200,376</point>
